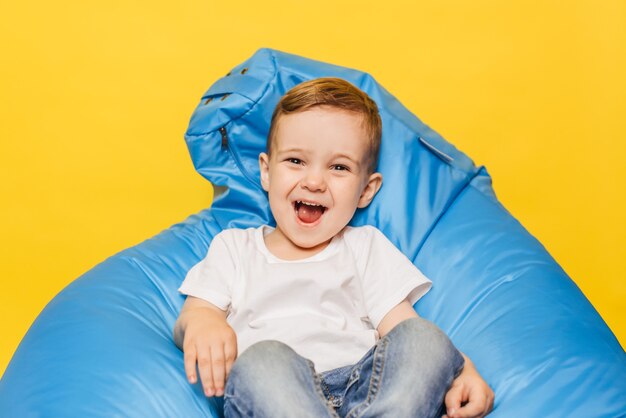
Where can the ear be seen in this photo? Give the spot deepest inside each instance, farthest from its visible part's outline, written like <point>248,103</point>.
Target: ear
<point>264,166</point>
<point>374,182</point>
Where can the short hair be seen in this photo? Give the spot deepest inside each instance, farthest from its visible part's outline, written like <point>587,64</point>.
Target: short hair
<point>337,93</point>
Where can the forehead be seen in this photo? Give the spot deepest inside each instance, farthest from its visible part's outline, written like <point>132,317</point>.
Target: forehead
<point>322,125</point>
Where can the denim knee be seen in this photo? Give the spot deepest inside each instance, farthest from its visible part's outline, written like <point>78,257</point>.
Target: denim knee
<point>265,351</point>
<point>418,343</point>
<point>270,379</point>
<point>260,363</point>
<point>406,374</point>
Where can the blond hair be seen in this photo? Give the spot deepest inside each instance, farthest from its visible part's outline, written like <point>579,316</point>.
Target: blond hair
<point>337,93</point>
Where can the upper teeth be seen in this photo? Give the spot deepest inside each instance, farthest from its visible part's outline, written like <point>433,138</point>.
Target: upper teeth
<point>308,204</point>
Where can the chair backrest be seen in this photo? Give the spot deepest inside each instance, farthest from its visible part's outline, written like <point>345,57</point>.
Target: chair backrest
<point>422,172</point>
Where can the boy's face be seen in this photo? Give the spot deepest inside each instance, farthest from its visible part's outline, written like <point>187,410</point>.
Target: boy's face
<point>317,175</point>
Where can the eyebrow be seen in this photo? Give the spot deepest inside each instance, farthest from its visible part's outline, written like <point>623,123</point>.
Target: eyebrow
<point>347,157</point>
<point>303,150</point>
<point>288,150</point>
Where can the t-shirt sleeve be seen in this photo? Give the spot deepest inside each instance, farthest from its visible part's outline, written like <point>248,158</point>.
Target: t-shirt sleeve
<point>388,276</point>
<point>211,279</point>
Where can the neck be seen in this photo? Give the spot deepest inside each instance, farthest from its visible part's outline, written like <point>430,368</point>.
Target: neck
<point>282,247</point>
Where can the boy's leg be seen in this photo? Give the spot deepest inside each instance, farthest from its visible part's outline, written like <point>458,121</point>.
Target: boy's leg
<point>406,374</point>
<point>269,379</point>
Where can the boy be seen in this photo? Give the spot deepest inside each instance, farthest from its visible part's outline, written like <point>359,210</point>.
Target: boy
<point>266,301</point>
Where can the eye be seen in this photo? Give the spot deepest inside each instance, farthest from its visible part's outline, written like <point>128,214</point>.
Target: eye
<point>340,167</point>
<point>294,161</point>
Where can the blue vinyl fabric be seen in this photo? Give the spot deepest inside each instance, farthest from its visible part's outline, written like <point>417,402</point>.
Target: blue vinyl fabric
<point>103,347</point>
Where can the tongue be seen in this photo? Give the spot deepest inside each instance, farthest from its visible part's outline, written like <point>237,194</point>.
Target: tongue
<point>309,214</point>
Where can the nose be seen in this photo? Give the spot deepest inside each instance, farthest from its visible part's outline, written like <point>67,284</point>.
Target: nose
<point>313,180</point>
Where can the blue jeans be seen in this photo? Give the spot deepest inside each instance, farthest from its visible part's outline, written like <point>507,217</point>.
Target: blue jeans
<point>406,374</point>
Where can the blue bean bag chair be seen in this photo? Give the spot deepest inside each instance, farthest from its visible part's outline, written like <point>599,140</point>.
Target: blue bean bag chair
<point>103,347</point>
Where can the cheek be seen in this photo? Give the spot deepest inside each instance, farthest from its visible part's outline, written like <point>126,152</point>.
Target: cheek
<point>348,194</point>
<point>279,197</point>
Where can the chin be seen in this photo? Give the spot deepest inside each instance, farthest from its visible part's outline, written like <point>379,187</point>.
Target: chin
<point>307,244</point>
<point>310,243</point>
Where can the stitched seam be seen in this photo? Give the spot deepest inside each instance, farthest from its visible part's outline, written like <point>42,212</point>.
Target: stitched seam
<point>354,377</point>
<point>375,379</point>
<point>447,206</point>
<point>329,396</point>
<point>239,406</point>
<point>317,383</point>
<point>442,155</point>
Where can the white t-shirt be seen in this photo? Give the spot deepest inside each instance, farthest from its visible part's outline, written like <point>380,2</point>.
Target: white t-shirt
<point>326,307</point>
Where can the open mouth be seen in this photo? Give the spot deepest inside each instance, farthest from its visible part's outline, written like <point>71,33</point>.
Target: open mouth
<point>308,212</point>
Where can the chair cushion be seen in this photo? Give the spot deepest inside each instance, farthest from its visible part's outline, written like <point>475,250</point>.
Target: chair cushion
<point>103,347</point>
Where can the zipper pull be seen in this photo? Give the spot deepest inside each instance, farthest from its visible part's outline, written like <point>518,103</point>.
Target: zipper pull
<point>224,138</point>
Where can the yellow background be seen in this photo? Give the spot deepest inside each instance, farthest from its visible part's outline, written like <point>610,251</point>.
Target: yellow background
<point>96,96</point>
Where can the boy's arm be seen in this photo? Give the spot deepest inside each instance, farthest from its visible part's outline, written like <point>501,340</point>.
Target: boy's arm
<point>399,313</point>
<point>469,396</point>
<point>207,340</point>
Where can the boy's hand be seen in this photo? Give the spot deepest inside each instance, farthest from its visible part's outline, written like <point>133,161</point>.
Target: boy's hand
<point>469,396</point>
<point>208,341</point>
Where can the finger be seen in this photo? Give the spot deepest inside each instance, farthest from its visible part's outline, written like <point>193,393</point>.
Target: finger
<point>189,358</point>
<point>206,373</point>
<point>453,399</point>
<point>490,400</point>
<point>230,355</point>
<point>219,369</point>
<point>474,408</point>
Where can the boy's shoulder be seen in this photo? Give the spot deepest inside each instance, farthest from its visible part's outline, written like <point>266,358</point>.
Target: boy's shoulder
<point>361,232</point>
<point>233,237</point>
<point>362,236</point>
<point>238,232</point>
